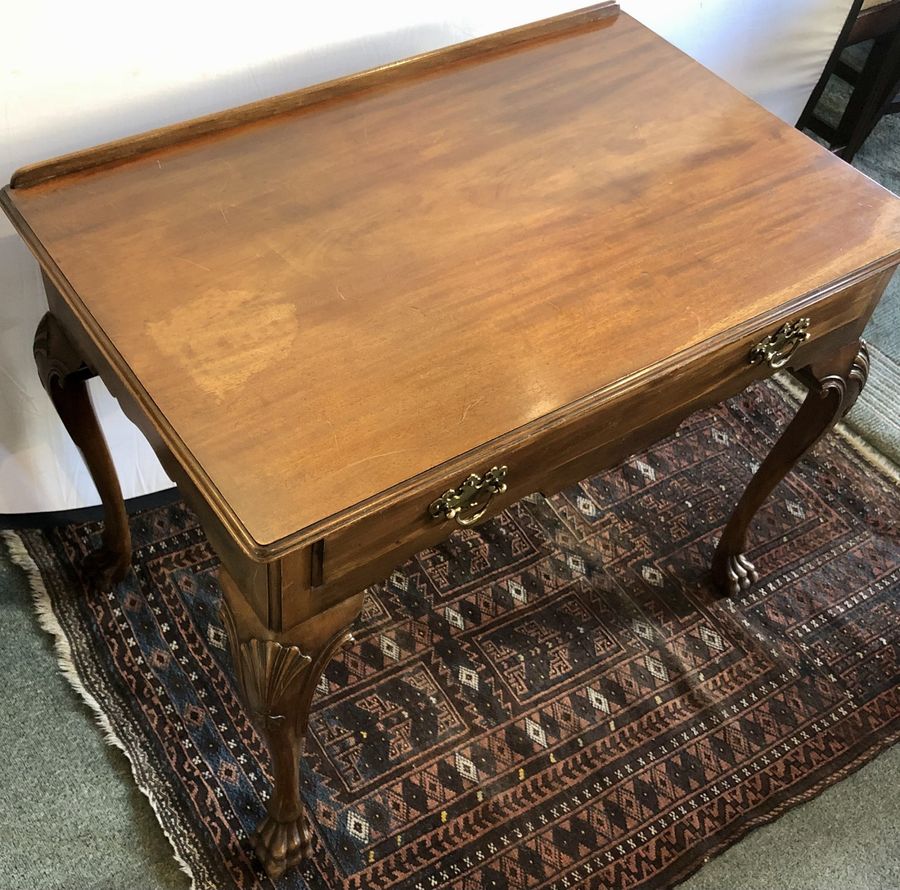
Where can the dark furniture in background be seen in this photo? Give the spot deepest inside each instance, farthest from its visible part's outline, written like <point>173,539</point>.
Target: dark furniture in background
<point>874,87</point>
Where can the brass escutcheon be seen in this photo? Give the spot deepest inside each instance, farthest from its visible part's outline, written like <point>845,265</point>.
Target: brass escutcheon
<point>468,502</point>
<point>776,350</point>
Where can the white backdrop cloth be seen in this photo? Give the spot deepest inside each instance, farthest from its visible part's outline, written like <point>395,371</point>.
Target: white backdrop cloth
<point>72,75</point>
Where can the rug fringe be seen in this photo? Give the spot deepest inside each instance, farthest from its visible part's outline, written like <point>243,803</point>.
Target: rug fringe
<point>49,623</point>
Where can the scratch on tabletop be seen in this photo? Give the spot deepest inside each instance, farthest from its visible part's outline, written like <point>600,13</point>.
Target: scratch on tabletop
<point>284,256</point>
<point>369,457</point>
<point>468,408</point>
<point>184,259</point>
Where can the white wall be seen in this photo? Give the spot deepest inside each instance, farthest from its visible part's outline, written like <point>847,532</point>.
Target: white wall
<point>72,75</point>
<point>772,50</point>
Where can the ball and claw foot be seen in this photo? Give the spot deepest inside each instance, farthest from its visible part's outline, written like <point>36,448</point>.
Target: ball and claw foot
<point>738,573</point>
<point>282,845</point>
<point>106,568</point>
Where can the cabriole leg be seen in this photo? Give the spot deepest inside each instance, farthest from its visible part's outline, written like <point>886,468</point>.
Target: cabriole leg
<point>277,674</point>
<point>64,375</point>
<point>832,392</point>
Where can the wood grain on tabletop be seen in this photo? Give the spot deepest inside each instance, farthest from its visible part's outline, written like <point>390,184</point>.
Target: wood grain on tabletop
<point>331,301</point>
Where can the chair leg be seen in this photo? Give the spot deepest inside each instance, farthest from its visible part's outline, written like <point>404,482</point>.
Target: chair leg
<point>806,115</point>
<point>872,94</point>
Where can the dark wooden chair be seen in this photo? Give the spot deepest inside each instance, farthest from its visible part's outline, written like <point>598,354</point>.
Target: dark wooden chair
<point>874,87</point>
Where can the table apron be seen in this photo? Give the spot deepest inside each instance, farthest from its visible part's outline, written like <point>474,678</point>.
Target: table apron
<point>628,422</point>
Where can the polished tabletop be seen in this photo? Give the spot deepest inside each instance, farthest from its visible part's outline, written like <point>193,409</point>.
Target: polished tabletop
<point>331,301</point>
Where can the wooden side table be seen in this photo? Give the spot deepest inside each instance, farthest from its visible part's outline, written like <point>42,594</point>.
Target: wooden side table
<point>353,318</point>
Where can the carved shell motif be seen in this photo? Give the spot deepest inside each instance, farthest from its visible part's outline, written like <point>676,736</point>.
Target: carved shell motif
<point>54,355</point>
<point>269,674</point>
<point>846,389</point>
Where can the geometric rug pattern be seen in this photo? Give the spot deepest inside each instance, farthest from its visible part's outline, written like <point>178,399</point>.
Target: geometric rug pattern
<point>558,698</point>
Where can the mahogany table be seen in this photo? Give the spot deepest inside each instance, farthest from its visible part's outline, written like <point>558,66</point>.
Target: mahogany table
<point>353,317</point>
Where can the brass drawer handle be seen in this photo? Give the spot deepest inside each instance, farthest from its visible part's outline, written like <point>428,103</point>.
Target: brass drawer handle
<point>776,350</point>
<point>467,503</point>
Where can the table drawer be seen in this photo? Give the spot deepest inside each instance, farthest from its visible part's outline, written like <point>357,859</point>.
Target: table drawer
<point>587,437</point>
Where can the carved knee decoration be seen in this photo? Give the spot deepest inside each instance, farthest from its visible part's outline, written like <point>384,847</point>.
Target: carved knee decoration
<point>277,681</point>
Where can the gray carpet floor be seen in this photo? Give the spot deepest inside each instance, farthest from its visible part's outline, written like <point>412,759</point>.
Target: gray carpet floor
<point>72,819</point>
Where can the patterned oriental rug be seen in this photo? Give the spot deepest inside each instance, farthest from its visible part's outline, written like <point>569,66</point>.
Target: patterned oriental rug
<point>556,699</point>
